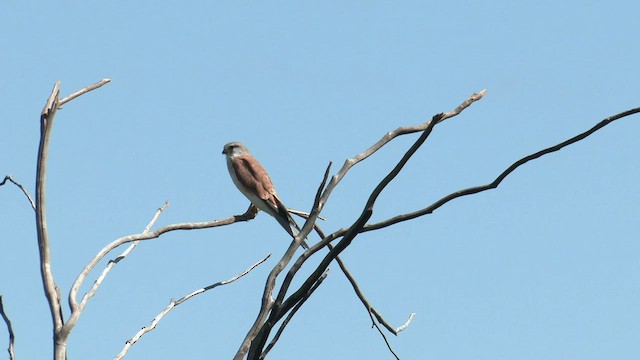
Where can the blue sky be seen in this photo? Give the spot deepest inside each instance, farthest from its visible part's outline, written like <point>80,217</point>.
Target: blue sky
<point>545,267</point>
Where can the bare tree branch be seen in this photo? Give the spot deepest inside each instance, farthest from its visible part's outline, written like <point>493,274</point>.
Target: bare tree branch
<point>174,303</point>
<point>384,337</point>
<point>82,92</point>
<point>292,313</point>
<point>24,191</point>
<point>349,163</point>
<point>494,184</point>
<point>73,303</point>
<point>77,310</point>
<point>12,356</point>
<point>259,332</point>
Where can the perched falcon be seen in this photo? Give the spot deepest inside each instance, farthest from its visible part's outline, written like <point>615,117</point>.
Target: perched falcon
<point>253,181</point>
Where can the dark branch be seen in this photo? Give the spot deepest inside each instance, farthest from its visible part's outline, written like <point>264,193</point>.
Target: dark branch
<point>9,329</point>
<point>262,327</point>
<point>24,191</point>
<point>494,184</point>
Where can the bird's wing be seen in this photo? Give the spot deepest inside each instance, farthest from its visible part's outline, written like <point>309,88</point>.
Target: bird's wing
<point>253,176</point>
<point>255,179</point>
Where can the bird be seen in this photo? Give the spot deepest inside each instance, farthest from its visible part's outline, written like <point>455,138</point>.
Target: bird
<point>254,182</point>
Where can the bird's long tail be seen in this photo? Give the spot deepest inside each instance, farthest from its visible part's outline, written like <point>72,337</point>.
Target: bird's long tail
<point>295,224</point>
<point>286,221</point>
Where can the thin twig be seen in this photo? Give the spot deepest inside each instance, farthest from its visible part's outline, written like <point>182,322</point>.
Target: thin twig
<point>24,191</point>
<point>9,329</point>
<point>304,215</point>
<point>83,91</point>
<point>174,303</point>
<point>366,303</point>
<point>386,341</point>
<point>494,184</point>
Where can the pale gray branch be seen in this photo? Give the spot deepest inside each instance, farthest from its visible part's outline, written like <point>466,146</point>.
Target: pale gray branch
<point>24,191</point>
<point>83,91</point>
<point>73,303</point>
<point>48,282</point>
<point>174,303</point>
<point>349,163</point>
<point>50,288</point>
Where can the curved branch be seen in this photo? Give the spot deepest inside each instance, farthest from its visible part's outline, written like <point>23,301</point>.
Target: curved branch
<point>76,311</point>
<point>494,184</point>
<point>349,163</point>
<point>24,191</point>
<point>48,282</point>
<point>12,356</point>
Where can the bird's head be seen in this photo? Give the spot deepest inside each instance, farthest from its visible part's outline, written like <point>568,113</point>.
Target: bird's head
<point>234,149</point>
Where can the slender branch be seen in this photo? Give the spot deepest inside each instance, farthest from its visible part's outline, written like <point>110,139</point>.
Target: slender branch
<point>494,184</point>
<point>386,341</point>
<point>9,329</point>
<point>366,303</point>
<point>292,313</point>
<point>174,303</point>
<point>302,214</point>
<point>24,191</point>
<point>77,310</point>
<point>349,163</point>
<point>83,91</point>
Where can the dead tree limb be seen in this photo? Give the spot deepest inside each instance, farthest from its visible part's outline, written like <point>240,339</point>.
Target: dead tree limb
<point>12,337</point>
<point>50,288</point>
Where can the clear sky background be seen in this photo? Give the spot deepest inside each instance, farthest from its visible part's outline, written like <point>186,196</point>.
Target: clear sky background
<point>545,267</point>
